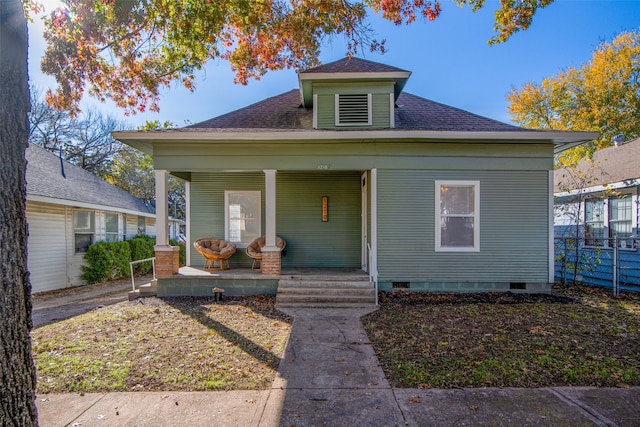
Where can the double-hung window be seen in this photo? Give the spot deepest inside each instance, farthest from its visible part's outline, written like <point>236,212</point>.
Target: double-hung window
<point>83,229</point>
<point>457,216</point>
<point>620,217</point>
<point>594,222</point>
<point>242,217</point>
<point>111,227</point>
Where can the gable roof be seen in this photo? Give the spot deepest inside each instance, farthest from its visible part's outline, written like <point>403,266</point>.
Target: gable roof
<point>615,164</point>
<point>283,112</point>
<point>79,188</point>
<point>354,65</point>
<point>346,69</point>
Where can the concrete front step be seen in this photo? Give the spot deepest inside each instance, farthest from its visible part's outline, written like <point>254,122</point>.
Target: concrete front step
<point>369,291</point>
<point>324,284</point>
<point>325,293</point>
<point>147,290</point>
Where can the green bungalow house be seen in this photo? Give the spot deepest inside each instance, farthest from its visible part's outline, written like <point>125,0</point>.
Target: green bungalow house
<point>355,174</point>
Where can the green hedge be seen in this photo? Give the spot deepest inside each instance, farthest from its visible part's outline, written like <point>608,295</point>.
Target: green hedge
<point>110,260</point>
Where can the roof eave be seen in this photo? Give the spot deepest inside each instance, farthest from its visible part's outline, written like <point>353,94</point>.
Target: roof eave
<point>144,140</point>
<point>306,80</point>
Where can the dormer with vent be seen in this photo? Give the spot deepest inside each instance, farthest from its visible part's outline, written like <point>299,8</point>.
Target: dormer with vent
<point>352,94</point>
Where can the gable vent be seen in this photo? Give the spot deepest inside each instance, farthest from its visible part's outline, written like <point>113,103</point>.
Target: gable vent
<point>353,110</point>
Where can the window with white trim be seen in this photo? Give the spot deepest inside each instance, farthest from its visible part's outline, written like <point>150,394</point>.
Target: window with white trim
<point>142,225</point>
<point>606,218</point>
<point>111,227</point>
<point>620,216</point>
<point>594,222</point>
<point>457,216</point>
<point>353,109</point>
<point>242,217</point>
<point>83,229</point>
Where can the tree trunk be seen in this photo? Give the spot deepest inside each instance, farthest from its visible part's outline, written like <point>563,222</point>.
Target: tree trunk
<point>17,372</point>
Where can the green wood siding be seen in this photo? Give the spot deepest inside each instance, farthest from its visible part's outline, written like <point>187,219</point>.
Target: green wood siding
<point>310,242</point>
<point>207,208</point>
<point>514,220</point>
<point>381,104</point>
<point>363,155</point>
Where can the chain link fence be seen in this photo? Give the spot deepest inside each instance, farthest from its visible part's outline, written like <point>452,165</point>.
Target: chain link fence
<point>608,262</point>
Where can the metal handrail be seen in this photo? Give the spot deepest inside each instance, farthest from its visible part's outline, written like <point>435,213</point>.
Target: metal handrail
<point>153,269</point>
<point>373,270</point>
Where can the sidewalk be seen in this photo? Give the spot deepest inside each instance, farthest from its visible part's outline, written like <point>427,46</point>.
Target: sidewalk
<point>330,376</point>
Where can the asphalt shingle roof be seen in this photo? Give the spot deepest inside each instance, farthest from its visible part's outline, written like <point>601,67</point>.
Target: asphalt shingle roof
<point>354,65</point>
<point>612,164</point>
<point>283,112</point>
<point>44,178</point>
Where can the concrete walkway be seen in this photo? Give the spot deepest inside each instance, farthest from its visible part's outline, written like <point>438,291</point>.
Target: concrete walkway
<point>330,376</point>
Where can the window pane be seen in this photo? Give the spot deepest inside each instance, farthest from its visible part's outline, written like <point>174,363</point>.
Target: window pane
<point>83,241</point>
<point>620,208</point>
<point>142,225</point>
<point>111,223</point>
<point>456,232</point>
<point>243,213</point>
<point>83,221</point>
<point>456,200</point>
<point>594,210</point>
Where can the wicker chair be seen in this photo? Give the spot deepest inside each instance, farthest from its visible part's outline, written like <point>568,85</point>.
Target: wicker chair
<point>215,250</point>
<point>254,250</point>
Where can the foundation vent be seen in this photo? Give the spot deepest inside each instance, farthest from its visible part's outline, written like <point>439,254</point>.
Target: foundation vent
<point>401,285</point>
<point>517,286</point>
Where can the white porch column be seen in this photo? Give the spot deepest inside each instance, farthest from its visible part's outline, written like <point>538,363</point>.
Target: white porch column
<point>161,208</point>
<point>167,257</point>
<point>552,243</point>
<point>270,207</point>
<point>187,219</point>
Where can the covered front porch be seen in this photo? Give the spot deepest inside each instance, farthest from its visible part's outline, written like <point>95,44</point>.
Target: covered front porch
<point>324,217</point>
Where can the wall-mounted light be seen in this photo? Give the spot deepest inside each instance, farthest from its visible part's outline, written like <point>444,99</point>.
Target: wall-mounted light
<point>325,209</point>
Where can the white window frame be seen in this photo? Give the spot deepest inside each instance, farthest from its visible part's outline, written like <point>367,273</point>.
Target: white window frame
<point>227,216</point>
<point>108,233</point>
<point>89,231</point>
<point>369,110</point>
<point>476,216</point>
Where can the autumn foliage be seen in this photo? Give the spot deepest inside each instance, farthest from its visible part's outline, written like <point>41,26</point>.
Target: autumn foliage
<point>602,95</point>
<point>128,50</point>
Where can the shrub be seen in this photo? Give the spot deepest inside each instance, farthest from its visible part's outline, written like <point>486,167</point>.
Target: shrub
<point>142,248</point>
<point>106,260</point>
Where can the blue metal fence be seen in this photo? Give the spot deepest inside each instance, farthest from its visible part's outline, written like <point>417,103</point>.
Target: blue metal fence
<point>610,263</point>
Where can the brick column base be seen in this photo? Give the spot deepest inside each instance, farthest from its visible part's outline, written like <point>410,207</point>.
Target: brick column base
<point>271,262</point>
<point>167,260</point>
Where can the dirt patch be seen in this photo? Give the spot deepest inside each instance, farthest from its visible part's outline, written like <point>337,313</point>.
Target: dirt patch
<point>577,336</point>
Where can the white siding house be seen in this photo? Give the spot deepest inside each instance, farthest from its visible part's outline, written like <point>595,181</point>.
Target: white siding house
<point>68,209</point>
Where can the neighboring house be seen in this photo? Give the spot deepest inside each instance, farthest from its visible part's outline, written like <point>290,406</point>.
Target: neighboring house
<point>598,200</point>
<point>355,173</point>
<point>68,209</point>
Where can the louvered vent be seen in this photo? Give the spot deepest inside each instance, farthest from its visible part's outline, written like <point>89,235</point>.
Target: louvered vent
<point>353,110</point>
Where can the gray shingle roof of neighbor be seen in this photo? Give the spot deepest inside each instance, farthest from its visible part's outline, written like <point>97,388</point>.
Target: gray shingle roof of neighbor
<point>610,165</point>
<point>283,112</point>
<point>44,178</point>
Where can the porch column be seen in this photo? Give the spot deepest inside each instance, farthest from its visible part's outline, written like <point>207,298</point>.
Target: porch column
<point>167,257</point>
<point>271,260</point>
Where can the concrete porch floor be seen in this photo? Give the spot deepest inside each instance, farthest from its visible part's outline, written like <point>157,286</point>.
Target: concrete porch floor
<point>286,273</point>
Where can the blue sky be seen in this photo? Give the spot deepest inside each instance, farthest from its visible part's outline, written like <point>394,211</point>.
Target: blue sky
<point>449,58</point>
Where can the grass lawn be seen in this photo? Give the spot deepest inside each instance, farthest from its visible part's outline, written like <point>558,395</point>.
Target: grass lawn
<point>163,344</point>
<point>579,336</point>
